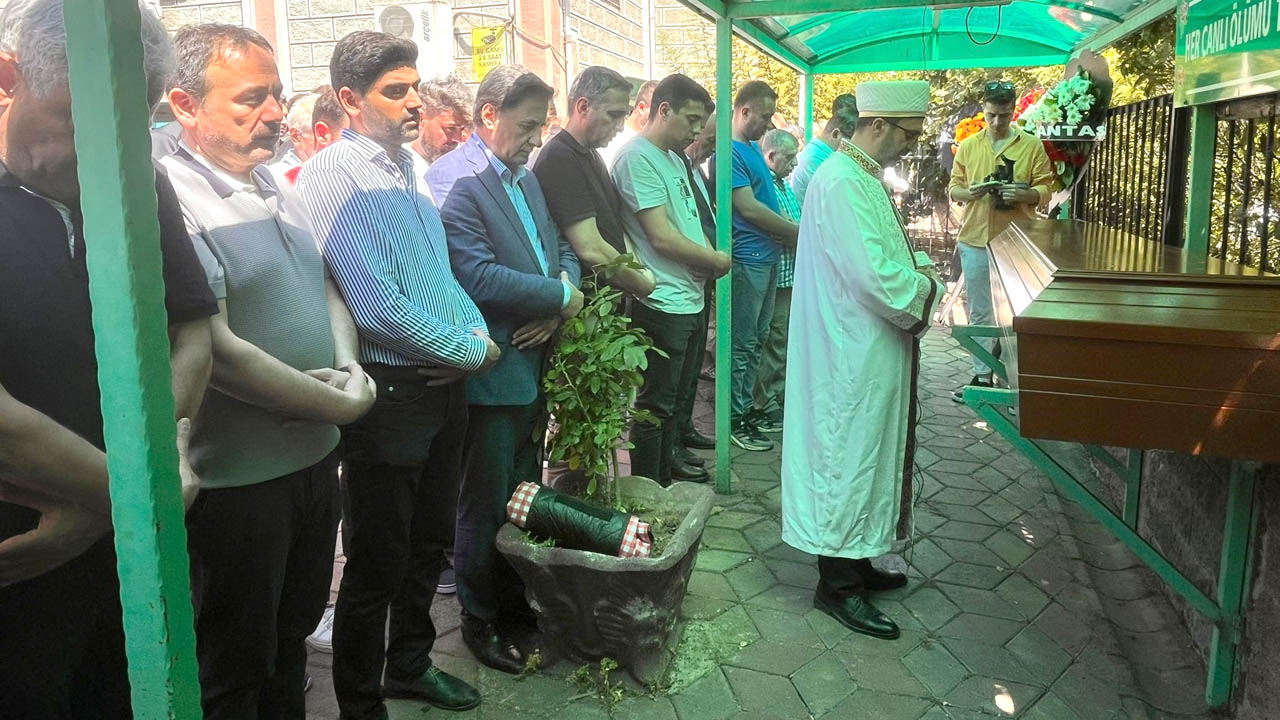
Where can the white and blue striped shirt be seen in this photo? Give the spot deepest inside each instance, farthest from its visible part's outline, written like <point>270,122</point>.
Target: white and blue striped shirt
<point>385,246</point>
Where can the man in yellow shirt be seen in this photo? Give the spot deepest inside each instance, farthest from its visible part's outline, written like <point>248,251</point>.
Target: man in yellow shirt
<point>990,207</point>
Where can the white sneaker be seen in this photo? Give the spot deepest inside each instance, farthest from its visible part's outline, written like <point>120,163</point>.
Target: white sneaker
<point>322,639</point>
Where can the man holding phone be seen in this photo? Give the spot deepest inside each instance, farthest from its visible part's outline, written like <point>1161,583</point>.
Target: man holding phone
<point>993,196</point>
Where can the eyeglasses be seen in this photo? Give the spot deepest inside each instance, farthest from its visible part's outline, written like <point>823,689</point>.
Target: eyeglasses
<point>1000,85</point>
<point>912,135</point>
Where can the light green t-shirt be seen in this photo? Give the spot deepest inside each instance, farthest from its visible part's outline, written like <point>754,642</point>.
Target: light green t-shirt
<point>648,177</point>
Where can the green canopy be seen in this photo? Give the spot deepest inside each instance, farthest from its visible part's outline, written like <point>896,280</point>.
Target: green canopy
<point>841,36</point>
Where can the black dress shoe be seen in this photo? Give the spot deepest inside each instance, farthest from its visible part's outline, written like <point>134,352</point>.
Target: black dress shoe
<point>688,473</point>
<point>878,580</point>
<point>685,455</point>
<point>856,613</point>
<point>492,648</point>
<point>697,441</point>
<point>437,687</point>
<point>379,714</point>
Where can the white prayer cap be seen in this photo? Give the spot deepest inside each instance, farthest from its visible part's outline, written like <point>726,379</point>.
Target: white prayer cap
<point>893,98</point>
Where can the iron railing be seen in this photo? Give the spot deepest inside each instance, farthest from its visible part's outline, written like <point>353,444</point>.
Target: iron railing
<point>1246,184</point>
<point>1136,178</point>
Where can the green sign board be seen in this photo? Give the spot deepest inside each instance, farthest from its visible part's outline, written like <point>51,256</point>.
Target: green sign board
<point>1227,49</point>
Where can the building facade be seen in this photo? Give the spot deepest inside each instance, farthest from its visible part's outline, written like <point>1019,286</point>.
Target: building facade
<point>553,38</point>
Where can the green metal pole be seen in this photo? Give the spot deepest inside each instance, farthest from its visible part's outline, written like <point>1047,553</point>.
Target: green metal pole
<point>1204,129</point>
<point>724,241</point>
<point>122,236</point>
<point>806,105</point>
<point>1133,487</point>
<point>1232,571</point>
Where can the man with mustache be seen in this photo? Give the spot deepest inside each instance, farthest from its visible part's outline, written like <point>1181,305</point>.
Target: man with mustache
<point>262,533</point>
<point>61,639</point>
<point>445,120</point>
<point>419,334</point>
<point>512,259</point>
<point>863,298</point>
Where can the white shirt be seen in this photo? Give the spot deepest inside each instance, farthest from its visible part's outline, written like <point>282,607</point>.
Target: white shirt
<point>609,153</point>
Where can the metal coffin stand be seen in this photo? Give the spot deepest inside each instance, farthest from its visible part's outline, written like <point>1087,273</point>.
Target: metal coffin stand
<point>1110,341</point>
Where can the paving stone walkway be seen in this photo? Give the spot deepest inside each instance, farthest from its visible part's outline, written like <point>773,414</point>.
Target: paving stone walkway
<point>1018,605</point>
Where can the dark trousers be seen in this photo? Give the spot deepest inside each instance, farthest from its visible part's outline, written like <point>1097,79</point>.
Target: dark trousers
<point>689,396</point>
<point>843,576</point>
<point>668,383</point>
<point>261,566</point>
<point>401,472</point>
<point>61,642</point>
<point>503,449</point>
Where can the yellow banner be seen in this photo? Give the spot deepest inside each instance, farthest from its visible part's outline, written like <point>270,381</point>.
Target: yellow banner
<point>488,49</point>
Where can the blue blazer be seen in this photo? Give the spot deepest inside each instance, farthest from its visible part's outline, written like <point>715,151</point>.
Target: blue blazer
<point>494,261</point>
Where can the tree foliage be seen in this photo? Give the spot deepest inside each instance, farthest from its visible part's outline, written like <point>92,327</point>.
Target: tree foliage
<point>1141,66</point>
<point>591,383</point>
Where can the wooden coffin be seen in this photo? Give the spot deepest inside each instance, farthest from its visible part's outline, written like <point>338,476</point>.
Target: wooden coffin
<point>1117,341</point>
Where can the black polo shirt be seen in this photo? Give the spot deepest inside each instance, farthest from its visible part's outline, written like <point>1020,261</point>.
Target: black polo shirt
<point>46,331</point>
<point>577,186</point>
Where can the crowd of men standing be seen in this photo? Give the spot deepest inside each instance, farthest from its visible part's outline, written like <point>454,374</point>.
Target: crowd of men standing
<point>381,298</point>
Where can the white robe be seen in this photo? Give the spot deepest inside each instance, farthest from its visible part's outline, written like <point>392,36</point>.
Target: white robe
<point>862,298</point>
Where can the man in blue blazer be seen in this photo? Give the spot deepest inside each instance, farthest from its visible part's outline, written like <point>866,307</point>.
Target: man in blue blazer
<point>511,258</point>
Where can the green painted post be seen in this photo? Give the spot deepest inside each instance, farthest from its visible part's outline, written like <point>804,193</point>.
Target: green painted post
<point>806,105</point>
<point>1232,570</point>
<point>108,90</point>
<point>990,404</point>
<point>724,241</point>
<point>1133,487</point>
<point>1204,129</point>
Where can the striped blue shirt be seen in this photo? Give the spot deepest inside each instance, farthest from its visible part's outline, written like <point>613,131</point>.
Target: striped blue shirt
<point>385,246</point>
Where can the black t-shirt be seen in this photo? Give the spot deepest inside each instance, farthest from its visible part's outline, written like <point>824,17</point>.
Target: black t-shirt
<point>46,331</point>
<point>577,186</point>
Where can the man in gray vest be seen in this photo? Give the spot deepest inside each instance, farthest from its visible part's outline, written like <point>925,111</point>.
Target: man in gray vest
<point>261,535</point>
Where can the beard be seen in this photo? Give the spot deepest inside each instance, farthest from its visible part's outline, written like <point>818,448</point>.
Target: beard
<point>434,152</point>
<point>392,131</point>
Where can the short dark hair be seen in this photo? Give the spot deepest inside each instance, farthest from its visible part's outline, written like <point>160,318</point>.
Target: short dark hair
<point>363,56</point>
<point>677,90</point>
<point>999,93</point>
<point>594,82</point>
<point>844,113</point>
<point>506,86</point>
<point>199,46</point>
<point>328,108</point>
<point>445,94</point>
<point>754,90</point>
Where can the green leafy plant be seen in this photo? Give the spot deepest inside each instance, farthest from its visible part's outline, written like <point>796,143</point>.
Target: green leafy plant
<point>599,684</point>
<point>591,384</point>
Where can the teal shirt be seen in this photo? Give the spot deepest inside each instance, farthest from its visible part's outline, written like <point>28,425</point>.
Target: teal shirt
<point>810,158</point>
<point>511,183</point>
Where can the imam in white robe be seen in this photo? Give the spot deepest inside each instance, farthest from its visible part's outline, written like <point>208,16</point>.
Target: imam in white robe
<point>862,300</point>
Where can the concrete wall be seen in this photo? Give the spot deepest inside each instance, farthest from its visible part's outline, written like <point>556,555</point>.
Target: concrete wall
<point>1182,511</point>
<point>176,13</point>
<point>610,34</point>
<point>680,35</point>
<point>313,28</point>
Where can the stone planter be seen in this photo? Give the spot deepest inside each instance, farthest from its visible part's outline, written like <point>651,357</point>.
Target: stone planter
<point>591,606</point>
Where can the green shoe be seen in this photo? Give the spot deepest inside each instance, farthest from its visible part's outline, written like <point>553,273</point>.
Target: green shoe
<point>437,687</point>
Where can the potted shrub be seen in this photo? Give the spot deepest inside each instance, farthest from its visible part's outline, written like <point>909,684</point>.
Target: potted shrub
<point>591,606</point>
